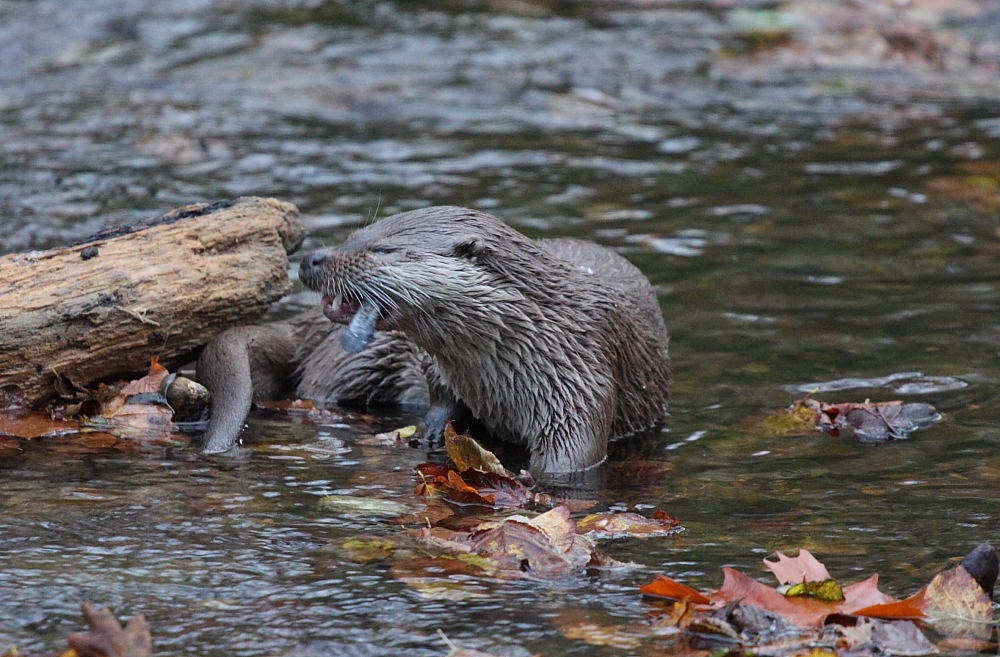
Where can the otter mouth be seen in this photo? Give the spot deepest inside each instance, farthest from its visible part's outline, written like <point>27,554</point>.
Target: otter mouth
<point>361,318</point>
<point>340,309</point>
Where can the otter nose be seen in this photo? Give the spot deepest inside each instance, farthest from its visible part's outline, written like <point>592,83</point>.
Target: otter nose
<point>313,262</point>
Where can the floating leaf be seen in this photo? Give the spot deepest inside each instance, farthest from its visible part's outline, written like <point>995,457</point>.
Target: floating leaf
<point>793,570</point>
<point>477,491</point>
<point>467,454</point>
<point>828,590</point>
<point>601,635</point>
<point>871,422</point>
<point>911,608</point>
<point>365,550</point>
<point>958,606</point>
<point>106,637</point>
<point>623,525</point>
<point>362,506</point>
<point>518,546</point>
<point>35,425</point>
<point>664,587</point>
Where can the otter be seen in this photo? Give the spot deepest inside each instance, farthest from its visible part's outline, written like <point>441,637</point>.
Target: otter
<point>556,344</point>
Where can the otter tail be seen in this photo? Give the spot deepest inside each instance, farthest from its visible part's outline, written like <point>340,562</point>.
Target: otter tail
<point>238,366</point>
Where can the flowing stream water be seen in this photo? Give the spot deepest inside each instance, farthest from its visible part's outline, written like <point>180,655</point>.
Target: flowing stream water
<point>807,228</point>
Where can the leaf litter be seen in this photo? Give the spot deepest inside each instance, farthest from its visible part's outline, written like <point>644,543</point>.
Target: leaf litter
<point>138,410</point>
<point>483,521</point>
<point>745,616</point>
<point>871,422</point>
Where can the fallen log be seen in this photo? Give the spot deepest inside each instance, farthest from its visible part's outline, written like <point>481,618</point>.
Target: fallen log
<point>161,287</point>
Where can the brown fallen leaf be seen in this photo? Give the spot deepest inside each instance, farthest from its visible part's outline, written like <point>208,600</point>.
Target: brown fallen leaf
<point>480,492</point>
<point>957,606</point>
<point>664,587</point>
<point>466,453</point>
<point>106,637</point>
<point>628,525</point>
<point>518,546</point>
<point>746,617</point>
<point>137,410</point>
<point>38,424</point>
<point>543,546</point>
<point>793,570</point>
<point>150,383</point>
<point>956,595</point>
<point>871,422</point>
<point>955,601</point>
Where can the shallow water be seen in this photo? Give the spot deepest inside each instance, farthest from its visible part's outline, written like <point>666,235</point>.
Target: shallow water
<point>801,234</point>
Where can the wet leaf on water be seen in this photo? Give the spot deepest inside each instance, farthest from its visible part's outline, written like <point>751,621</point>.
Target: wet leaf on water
<point>955,600</point>
<point>870,421</point>
<point>827,590</point>
<point>150,383</point>
<point>883,421</point>
<point>467,454</point>
<point>797,419</point>
<point>365,550</point>
<point>106,637</point>
<point>741,588</point>
<point>544,546</point>
<point>518,546</point>
<point>957,606</point>
<point>628,525</point>
<point>362,506</point>
<point>37,424</point>
<point>911,608</point>
<point>442,578</point>
<point>682,614</point>
<point>794,570</point>
<point>664,587</point>
<point>393,437</point>
<point>497,491</point>
<point>434,512</point>
<point>138,410</point>
<point>899,638</point>
<point>473,490</point>
<point>602,635</point>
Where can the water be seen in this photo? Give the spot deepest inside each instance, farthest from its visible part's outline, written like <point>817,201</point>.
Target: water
<point>803,226</point>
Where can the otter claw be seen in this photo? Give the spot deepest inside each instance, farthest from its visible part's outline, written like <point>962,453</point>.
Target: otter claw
<point>361,329</point>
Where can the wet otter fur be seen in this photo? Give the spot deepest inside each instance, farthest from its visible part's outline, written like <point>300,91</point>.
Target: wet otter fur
<point>557,344</point>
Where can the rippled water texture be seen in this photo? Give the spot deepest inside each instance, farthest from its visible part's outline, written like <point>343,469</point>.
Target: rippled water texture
<point>817,206</point>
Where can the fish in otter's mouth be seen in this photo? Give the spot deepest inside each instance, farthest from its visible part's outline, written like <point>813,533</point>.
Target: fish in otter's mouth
<point>361,318</point>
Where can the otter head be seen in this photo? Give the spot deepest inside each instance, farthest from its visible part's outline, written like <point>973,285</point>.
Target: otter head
<point>413,271</point>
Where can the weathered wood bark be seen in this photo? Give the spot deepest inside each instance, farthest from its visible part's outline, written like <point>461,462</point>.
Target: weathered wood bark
<point>163,287</point>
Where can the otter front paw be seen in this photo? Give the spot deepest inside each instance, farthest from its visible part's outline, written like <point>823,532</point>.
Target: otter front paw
<point>431,427</point>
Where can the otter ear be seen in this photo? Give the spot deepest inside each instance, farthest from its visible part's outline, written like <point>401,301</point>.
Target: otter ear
<point>469,247</point>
